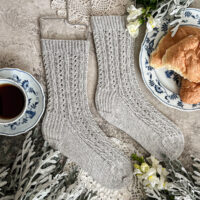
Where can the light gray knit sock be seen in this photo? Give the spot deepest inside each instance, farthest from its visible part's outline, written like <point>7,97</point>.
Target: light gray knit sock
<point>68,123</point>
<point>118,97</point>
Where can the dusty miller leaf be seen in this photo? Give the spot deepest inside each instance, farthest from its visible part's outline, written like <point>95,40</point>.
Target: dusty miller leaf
<point>3,181</point>
<point>196,172</point>
<point>37,173</point>
<point>173,10</point>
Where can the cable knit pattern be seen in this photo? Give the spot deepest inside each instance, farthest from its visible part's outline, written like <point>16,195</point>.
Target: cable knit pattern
<point>68,115</point>
<point>119,99</point>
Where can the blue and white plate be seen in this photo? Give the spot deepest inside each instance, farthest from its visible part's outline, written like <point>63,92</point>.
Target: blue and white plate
<point>36,102</point>
<point>165,84</point>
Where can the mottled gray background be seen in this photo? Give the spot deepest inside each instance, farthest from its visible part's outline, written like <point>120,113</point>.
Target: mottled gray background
<point>19,47</point>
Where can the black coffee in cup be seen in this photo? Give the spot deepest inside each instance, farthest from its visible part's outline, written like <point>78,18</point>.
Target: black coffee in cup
<point>12,101</point>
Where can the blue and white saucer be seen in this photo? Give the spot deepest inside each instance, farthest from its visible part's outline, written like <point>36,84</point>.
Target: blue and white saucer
<point>36,102</point>
<point>165,84</point>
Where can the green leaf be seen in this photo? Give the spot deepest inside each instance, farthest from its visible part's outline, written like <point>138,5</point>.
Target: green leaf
<point>138,158</point>
<point>141,20</point>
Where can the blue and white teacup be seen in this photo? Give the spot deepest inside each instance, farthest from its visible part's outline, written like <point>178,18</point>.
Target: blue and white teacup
<point>9,100</point>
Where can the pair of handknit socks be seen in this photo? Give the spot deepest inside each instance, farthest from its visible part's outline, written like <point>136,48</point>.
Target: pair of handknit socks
<point>68,124</point>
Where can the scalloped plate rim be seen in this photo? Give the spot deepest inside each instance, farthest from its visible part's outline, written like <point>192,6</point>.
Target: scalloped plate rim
<point>43,101</point>
<point>143,76</point>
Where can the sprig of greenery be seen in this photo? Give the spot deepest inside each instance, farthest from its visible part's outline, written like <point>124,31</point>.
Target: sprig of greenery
<point>39,172</point>
<point>137,158</point>
<point>149,7</point>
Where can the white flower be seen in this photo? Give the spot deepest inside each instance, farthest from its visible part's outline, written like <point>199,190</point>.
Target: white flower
<point>137,172</point>
<point>133,13</point>
<point>150,172</point>
<point>153,180</point>
<point>164,172</point>
<point>131,8</point>
<point>154,161</point>
<point>156,164</point>
<point>152,176</point>
<point>162,183</point>
<point>133,28</point>
<point>144,167</point>
<point>159,169</point>
<point>152,23</point>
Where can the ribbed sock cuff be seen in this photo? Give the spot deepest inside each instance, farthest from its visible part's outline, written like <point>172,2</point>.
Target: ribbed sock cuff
<point>100,23</point>
<point>65,45</point>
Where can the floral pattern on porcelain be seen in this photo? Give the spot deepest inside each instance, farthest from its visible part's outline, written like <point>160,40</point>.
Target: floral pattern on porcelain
<point>156,85</point>
<point>36,102</point>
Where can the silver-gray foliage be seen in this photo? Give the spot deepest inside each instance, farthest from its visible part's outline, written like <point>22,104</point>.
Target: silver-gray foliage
<point>174,10</point>
<point>37,174</point>
<point>184,186</point>
<point>3,181</point>
<point>196,171</point>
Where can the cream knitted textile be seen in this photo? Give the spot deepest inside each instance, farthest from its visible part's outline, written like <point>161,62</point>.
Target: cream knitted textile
<point>68,124</point>
<point>79,11</point>
<point>119,99</point>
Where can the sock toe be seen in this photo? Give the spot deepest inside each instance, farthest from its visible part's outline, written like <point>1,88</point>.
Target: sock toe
<point>121,176</point>
<point>174,145</point>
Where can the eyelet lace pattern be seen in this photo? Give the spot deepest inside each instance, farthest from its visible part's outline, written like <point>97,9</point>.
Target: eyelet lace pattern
<point>68,119</point>
<point>115,50</point>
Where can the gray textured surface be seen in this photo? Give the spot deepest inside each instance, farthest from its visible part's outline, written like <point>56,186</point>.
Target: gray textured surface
<point>19,47</point>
